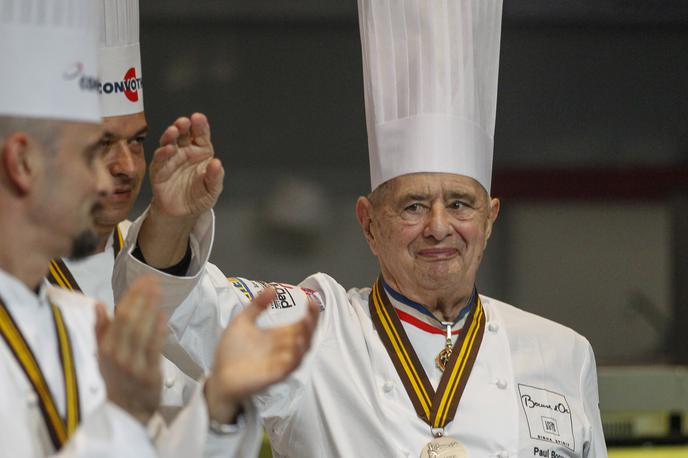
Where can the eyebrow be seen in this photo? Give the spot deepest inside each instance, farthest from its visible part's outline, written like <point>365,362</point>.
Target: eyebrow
<point>460,195</point>
<point>140,132</point>
<point>446,195</point>
<point>104,139</point>
<point>413,196</point>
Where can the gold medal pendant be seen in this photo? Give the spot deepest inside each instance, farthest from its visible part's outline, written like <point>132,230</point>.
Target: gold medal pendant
<point>444,447</point>
<point>445,355</point>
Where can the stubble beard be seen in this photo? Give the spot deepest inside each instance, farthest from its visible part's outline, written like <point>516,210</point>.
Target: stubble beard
<point>84,245</point>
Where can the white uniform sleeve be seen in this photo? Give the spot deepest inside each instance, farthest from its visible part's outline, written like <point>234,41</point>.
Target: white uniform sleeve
<point>109,432</point>
<point>198,315</point>
<point>189,434</point>
<point>591,403</point>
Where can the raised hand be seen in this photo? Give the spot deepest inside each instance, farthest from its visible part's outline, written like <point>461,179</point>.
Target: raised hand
<point>185,176</point>
<point>248,358</point>
<point>186,180</point>
<point>129,349</point>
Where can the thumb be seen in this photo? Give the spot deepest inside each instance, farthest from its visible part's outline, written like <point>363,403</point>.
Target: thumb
<point>260,303</point>
<point>214,177</point>
<point>102,322</point>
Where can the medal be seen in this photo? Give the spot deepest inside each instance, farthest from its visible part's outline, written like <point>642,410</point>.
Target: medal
<point>444,447</point>
<point>445,355</point>
<point>435,407</point>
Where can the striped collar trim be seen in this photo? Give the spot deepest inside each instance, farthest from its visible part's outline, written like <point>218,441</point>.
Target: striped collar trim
<point>420,317</point>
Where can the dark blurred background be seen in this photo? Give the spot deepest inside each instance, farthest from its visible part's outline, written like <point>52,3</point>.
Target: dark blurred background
<point>591,152</point>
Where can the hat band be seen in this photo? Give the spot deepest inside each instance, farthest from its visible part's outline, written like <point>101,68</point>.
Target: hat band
<point>430,143</point>
<point>121,89</point>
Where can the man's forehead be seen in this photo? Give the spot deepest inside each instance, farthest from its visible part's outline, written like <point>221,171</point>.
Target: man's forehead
<point>126,126</point>
<point>432,184</point>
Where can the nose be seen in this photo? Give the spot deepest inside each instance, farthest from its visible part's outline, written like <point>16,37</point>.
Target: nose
<point>104,181</point>
<point>438,225</point>
<point>120,160</point>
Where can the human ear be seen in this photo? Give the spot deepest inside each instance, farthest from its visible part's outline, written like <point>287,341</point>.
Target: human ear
<point>364,215</point>
<point>16,162</point>
<point>492,217</point>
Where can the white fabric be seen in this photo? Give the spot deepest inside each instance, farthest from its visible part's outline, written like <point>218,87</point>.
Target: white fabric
<point>346,399</point>
<point>121,88</point>
<point>430,78</point>
<point>186,425</point>
<point>49,54</point>
<point>94,276</point>
<point>105,430</point>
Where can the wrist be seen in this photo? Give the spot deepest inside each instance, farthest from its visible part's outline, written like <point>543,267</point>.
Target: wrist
<point>164,239</point>
<point>221,409</point>
<point>170,222</point>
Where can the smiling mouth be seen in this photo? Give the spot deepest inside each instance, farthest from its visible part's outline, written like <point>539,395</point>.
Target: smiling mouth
<point>438,254</point>
<point>121,194</point>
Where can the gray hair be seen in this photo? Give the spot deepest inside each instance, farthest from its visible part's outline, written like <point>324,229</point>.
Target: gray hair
<point>46,132</point>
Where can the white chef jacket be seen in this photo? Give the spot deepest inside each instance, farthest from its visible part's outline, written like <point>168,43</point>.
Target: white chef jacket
<point>105,430</point>
<point>94,276</point>
<point>532,391</point>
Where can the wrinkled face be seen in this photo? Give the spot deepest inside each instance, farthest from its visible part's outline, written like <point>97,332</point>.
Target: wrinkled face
<point>126,164</point>
<point>429,230</point>
<point>71,181</point>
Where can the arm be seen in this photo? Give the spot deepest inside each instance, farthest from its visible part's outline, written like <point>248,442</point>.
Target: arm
<point>591,404</point>
<point>186,180</point>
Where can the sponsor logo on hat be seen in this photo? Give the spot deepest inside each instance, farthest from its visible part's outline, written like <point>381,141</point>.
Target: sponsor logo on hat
<point>129,85</point>
<point>76,71</point>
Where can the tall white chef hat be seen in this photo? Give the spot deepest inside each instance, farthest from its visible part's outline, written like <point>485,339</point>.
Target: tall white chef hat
<point>121,92</point>
<point>430,76</point>
<point>48,51</point>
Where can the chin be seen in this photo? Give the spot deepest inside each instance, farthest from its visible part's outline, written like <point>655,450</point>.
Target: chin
<point>84,244</point>
<point>109,217</point>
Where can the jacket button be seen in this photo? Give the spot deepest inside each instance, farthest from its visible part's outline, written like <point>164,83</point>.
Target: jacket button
<point>501,383</point>
<point>502,454</point>
<point>169,382</point>
<point>492,327</point>
<point>31,398</point>
<point>388,386</point>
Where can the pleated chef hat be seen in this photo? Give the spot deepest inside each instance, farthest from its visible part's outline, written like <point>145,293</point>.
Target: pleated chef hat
<point>121,92</point>
<point>48,50</point>
<point>430,77</point>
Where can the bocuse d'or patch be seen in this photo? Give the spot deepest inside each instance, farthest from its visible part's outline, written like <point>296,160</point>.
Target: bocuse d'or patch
<point>549,416</point>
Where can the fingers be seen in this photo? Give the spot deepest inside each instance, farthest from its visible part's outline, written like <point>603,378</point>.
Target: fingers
<point>214,177</point>
<point>102,322</point>
<point>183,125</point>
<point>200,129</point>
<point>169,136</point>
<point>260,303</point>
<point>134,338</point>
<point>289,346</point>
<point>310,321</point>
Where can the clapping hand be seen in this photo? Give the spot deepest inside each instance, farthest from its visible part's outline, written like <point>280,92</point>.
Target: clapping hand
<point>249,359</point>
<point>129,347</point>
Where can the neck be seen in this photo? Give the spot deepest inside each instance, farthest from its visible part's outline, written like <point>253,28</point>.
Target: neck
<point>445,304</point>
<point>104,232</point>
<point>24,250</point>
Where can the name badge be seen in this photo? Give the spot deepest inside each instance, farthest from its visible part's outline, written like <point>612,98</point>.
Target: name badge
<point>549,416</point>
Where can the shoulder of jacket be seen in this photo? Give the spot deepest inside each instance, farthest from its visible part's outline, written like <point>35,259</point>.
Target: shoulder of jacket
<point>518,321</point>
<point>79,310</point>
<point>124,227</point>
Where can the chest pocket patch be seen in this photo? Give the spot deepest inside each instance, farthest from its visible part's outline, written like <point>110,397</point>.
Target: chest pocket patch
<point>549,416</point>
